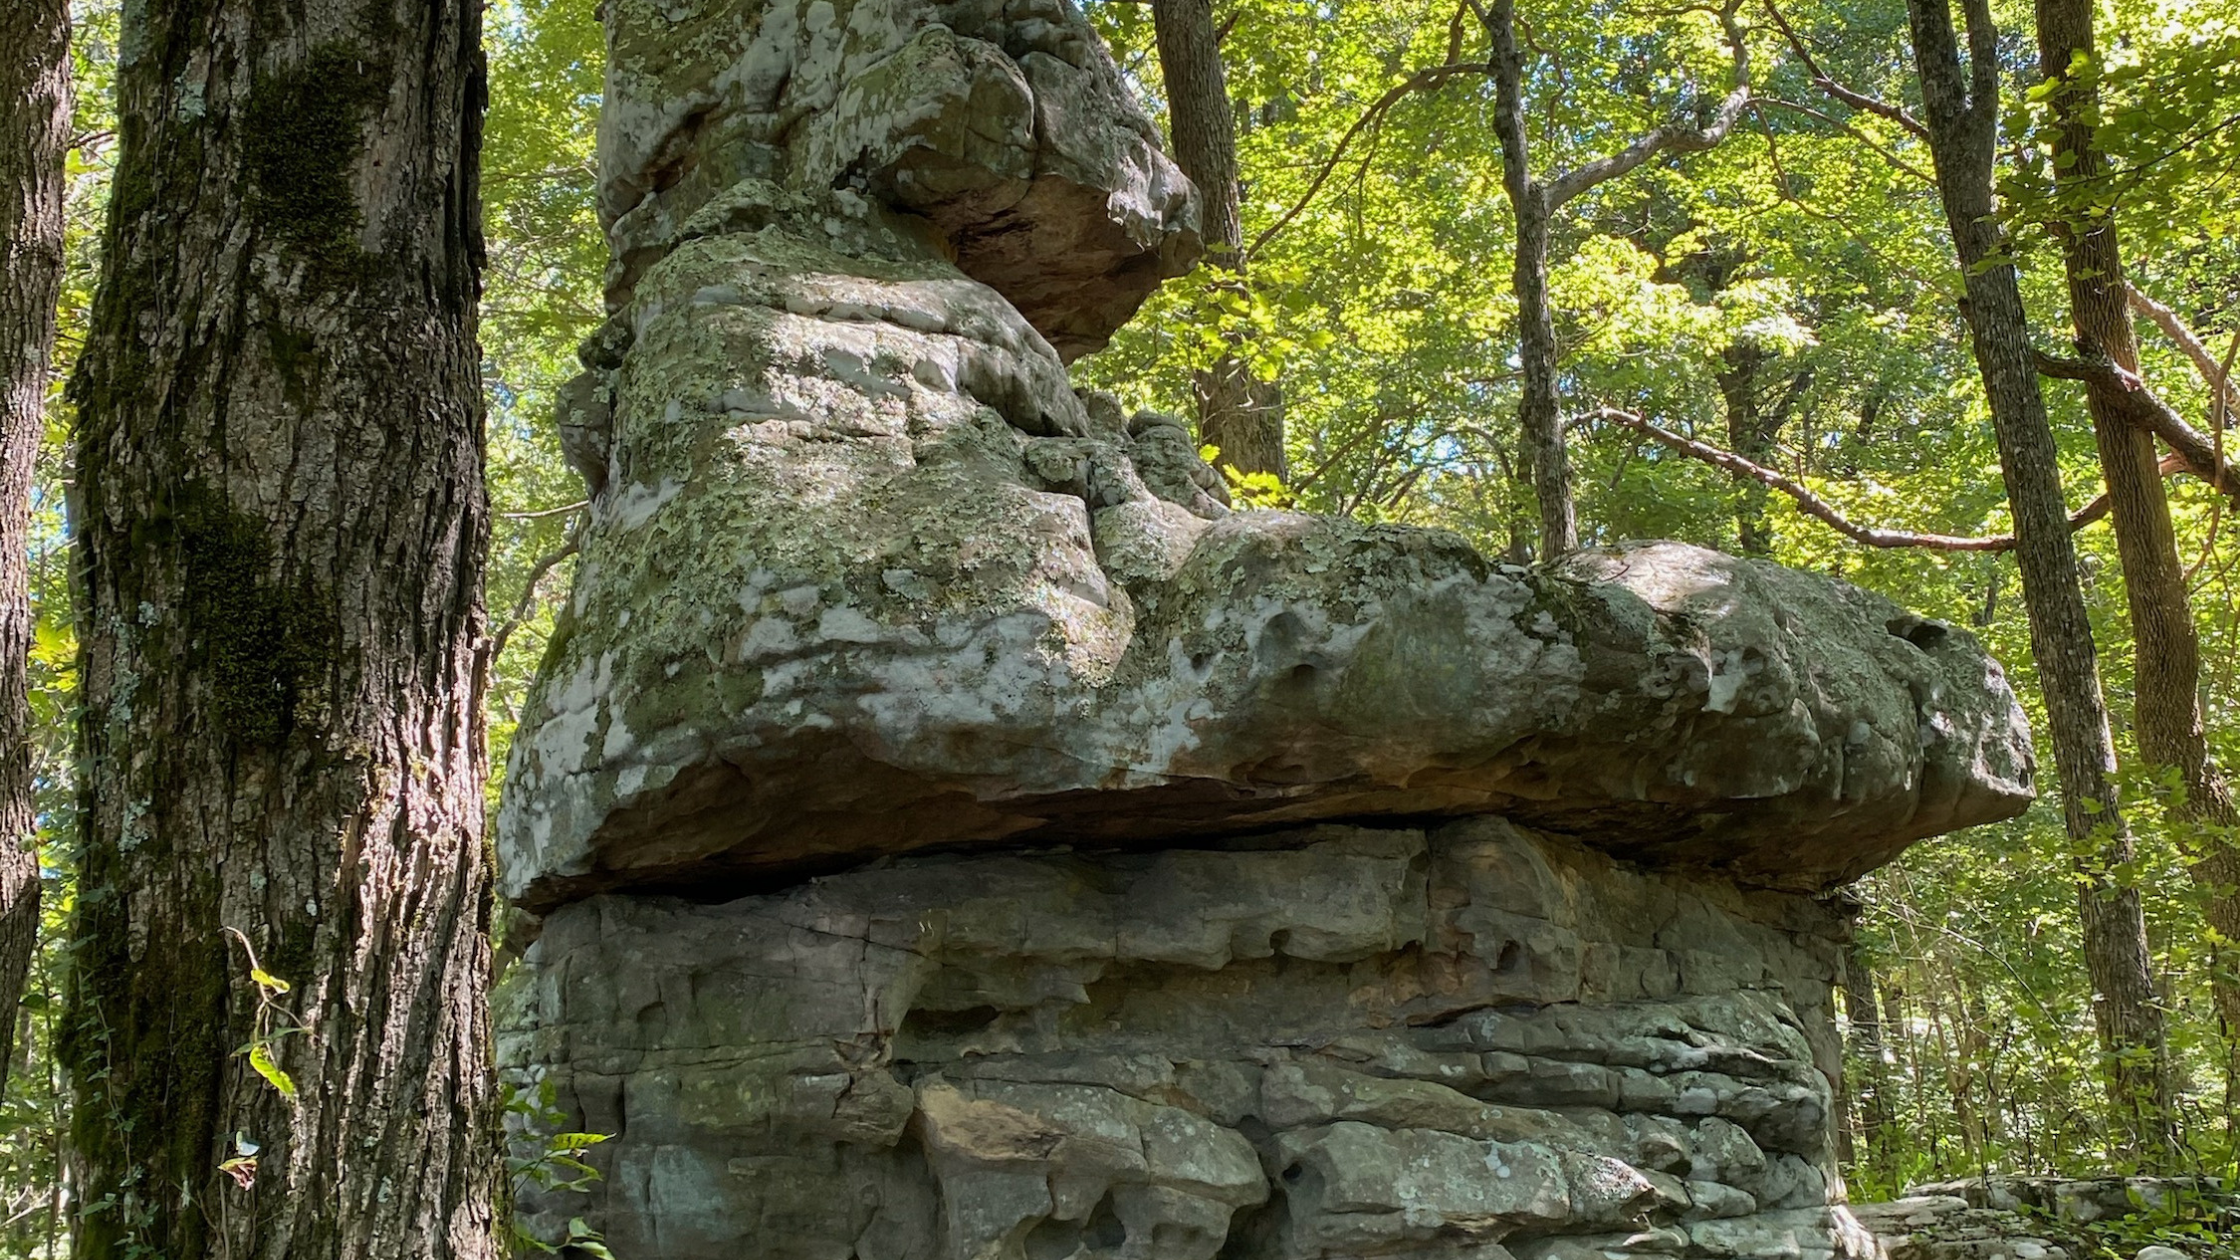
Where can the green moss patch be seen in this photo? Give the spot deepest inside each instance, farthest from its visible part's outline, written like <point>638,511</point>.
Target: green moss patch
<point>265,645</point>
<point>305,133</point>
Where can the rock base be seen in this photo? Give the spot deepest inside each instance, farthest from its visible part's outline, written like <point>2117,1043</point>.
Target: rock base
<point>1470,1041</point>
<point>1948,1227</point>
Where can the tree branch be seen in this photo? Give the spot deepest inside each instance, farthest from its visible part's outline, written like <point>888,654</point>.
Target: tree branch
<point>2201,455</point>
<point>528,601</point>
<point>1421,80</point>
<point>541,513</point>
<point>1856,100</point>
<point>1820,509</point>
<point>1672,137</point>
<point>1862,137</point>
<point>2187,341</point>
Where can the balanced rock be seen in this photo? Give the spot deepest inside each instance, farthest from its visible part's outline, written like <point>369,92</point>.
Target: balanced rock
<point>952,833</point>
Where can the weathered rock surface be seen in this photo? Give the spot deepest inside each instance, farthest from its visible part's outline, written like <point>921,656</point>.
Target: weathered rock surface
<point>1930,1226</point>
<point>1471,1042</point>
<point>2005,1217</point>
<point>1002,125</point>
<point>2075,1200</point>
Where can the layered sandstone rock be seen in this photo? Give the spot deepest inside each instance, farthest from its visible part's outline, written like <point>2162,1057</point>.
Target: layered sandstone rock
<point>956,834</point>
<point>1331,1043</point>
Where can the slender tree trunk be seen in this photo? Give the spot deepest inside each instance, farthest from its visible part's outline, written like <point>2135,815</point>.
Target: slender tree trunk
<point>34,136</point>
<point>281,529</point>
<point>1752,427</point>
<point>1237,411</point>
<point>1962,116</point>
<point>1738,390</point>
<point>2166,706</point>
<point>1871,1106</point>
<point>1535,203</point>
<point>1539,411</point>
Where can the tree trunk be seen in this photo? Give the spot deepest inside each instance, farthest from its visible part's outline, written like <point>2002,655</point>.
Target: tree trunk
<point>1870,1105</point>
<point>34,136</point>
<point>1539,414</point>
<point>2166,707</point>
<point>1738,390</point>
<point>281,530</point>
<point>1205,132</point>
<point>1752,427</point>
<point>1962,117</point>
<point>1237,412</point>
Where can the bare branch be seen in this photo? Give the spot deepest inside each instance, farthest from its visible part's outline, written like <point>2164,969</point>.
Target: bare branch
<point>1862,137</point>
<point>1820,509</point>
<point>541,513</point>
<point>1856,100</point>
<point>2186,340</point>
<point>2201,454</point>
<point>1670,138</point>
<point>1421,80</point>
<point>527,603</point>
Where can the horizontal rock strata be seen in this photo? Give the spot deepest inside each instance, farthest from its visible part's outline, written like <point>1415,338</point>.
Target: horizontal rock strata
<point>1925,1226</point>
<point>1471,1041</point>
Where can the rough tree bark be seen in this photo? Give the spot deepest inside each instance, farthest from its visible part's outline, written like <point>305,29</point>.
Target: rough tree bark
<point>1237,411</point>
<point>2166,706</point>
<point>1535,201</point>
<point>34,136</point>
<point>281,527</point>
<point>1961,105</point>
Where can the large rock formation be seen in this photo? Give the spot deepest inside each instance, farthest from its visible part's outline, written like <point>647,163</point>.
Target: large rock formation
<point>865,578</point>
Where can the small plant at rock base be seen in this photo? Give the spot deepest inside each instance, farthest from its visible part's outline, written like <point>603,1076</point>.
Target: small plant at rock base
<point>543,1155</point>
<point>2202,1221</point>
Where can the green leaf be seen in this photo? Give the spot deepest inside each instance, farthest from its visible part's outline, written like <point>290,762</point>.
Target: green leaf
<point>587,1240</point>
<point>260,1058</point>
<point>577,1141</point>
<point>270,983</point>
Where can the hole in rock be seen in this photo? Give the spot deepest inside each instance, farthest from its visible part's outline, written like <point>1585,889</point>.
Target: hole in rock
<point>1105,1232</point>
<point>1054,1240</point>
<point>1510,958</point>
<point>922,1025</point>
<point>1919,631</point>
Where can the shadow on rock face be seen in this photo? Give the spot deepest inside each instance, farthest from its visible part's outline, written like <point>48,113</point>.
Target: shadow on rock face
<point>864,575</point>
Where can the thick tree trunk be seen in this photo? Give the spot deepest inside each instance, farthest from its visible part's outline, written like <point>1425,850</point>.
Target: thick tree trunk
<point>1962,112</point>
<point>2166,707</point>
<point>1237,412</point>
<point>1205,131</point>
<point>281,526</point>
<point>34,136</point>
<point>1539,413</point>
